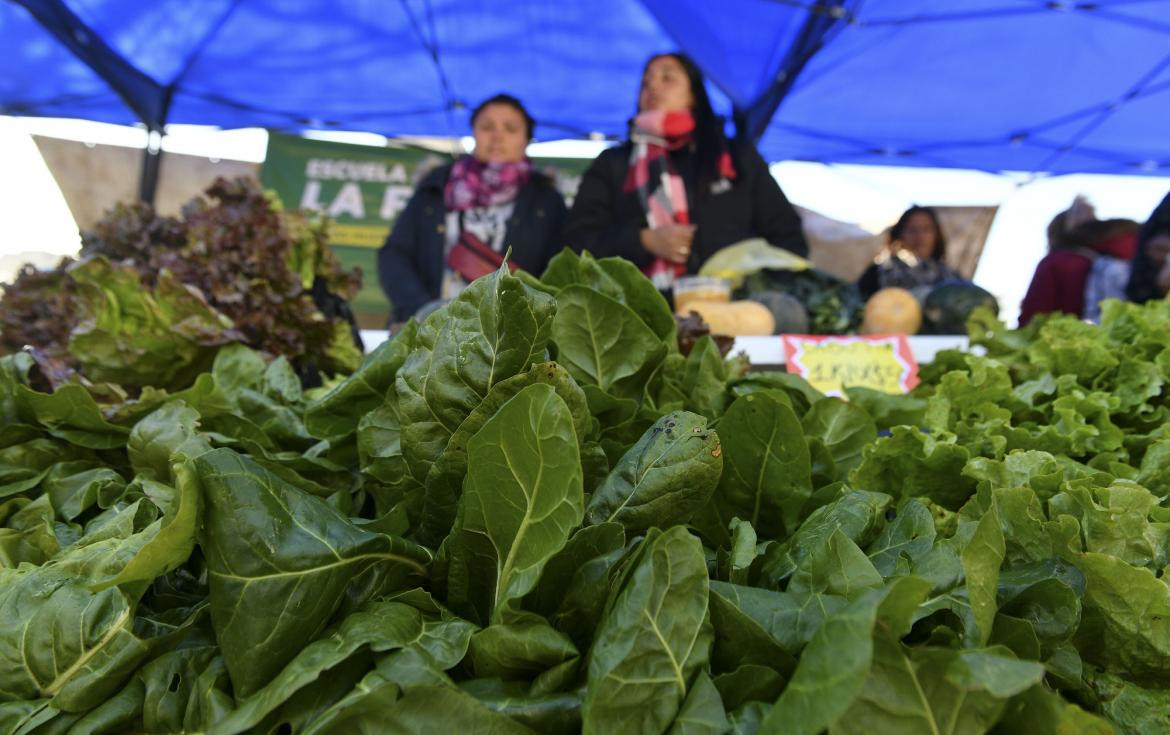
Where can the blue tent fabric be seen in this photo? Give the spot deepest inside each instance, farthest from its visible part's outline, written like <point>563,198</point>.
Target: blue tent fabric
<point>1031,85</point>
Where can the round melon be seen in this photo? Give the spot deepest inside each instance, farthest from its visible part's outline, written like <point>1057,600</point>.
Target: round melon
<point>946,309</point>
<point>892,311</point>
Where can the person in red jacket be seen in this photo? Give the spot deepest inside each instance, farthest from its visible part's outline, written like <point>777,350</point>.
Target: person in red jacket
<point>1059,282</point>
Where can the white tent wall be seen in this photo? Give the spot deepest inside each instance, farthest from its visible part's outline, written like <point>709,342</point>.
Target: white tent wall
<point>95,178</point>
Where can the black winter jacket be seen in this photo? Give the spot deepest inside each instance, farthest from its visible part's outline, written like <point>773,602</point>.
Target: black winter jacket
<point>605,220</point>
<point>410,263</point>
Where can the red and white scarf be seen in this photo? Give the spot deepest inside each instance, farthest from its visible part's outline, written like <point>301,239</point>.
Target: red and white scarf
<point>661,190</point>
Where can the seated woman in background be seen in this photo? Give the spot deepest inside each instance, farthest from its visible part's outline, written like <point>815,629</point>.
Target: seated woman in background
<point>914,257</point>
<point>677,191</point>
<point>1086,256</point>
<point>463,217</point>
<point>1150,276</point>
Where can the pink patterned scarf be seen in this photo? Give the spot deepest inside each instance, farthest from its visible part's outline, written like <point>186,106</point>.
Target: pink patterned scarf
<point>474,183</point>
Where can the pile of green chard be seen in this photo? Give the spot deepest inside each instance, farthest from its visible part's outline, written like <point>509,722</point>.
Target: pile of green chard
<point>532,513</point>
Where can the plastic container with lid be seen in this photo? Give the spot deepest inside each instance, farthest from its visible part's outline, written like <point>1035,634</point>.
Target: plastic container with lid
<point>699,288</point>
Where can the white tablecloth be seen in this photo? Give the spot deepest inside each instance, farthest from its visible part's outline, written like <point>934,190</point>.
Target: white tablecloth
<point>766,350</point>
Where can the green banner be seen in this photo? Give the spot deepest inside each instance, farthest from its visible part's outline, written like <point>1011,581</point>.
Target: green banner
<point>363,189</point>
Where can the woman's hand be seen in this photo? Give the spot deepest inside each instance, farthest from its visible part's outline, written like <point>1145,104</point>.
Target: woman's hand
<point>669,242</point>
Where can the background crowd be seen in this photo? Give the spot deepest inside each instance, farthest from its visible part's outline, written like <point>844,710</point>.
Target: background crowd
<point>678,189</point>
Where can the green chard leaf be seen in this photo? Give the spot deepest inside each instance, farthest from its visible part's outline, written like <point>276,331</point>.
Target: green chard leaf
<point>522,499</point>
<point>767,478</point>
<point>603,343</point>
<point>654,640</point>
<point>494,329</point>
<point>668,475</point>
<point>444,482</point>
<point>272,549</point>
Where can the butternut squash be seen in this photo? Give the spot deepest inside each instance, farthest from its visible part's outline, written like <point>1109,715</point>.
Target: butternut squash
<point>735,319</point>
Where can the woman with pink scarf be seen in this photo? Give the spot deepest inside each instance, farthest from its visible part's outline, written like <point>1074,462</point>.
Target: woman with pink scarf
<point>463,218</point>
<point>677,191</point>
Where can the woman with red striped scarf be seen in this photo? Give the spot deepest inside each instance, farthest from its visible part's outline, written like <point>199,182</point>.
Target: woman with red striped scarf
<point>678,190</point>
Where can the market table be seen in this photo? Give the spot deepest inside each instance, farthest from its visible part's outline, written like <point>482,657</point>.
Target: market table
<point>767,351</point>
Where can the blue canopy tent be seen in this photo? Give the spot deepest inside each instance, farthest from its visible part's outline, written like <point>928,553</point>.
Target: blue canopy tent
<point>1031,85</point>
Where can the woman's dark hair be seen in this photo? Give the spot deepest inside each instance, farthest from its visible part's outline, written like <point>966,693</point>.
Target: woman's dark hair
<point>710,141</point>
<point>940,242</point>
<point>510,101</point>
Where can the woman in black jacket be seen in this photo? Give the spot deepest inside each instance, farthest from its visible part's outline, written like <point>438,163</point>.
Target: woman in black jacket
<point>677,191</point>
<point>464,217</point>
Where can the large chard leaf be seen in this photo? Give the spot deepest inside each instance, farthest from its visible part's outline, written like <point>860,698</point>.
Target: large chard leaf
<point>653,641</point>
<point>62,641</point>
<point>522,499</point>
<point>444,482</point>
<point>603,343</point>
<point>668,475</point>
<point>936,690</point>
<point>493,330</point>
<point>620,280</point>
<point>767,475</point>
<point>279,563</point>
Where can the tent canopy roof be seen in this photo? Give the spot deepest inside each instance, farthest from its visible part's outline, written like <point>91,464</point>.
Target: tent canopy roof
<point>1026,85</point>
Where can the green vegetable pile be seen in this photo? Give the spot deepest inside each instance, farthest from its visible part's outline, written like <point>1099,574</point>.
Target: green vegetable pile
<point>531,513</point>
<point>151,299</point>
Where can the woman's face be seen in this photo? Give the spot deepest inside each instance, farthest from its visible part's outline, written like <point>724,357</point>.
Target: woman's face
<point>665,86</point>
<point>919,235</point>
<point>501,135</point>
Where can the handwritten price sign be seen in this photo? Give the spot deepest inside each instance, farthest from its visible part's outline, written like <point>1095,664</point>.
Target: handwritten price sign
<point>829,364</point>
